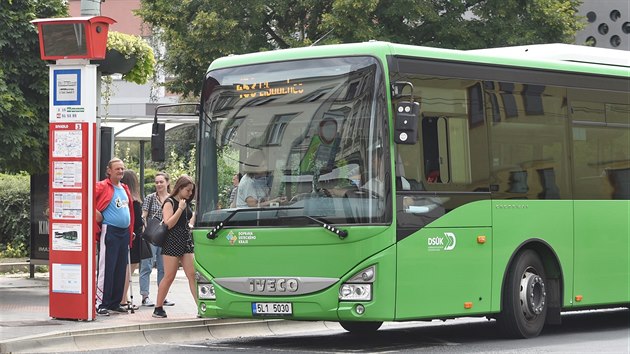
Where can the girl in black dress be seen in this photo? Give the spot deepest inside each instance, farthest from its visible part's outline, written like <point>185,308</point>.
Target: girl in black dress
<point>178,215</point>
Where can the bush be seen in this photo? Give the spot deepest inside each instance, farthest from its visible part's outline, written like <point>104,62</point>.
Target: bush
<point>149,181</point>
<point>17,251</point>
<point>15,204</point>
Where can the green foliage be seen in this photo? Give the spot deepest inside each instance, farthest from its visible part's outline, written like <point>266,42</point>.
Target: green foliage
<point>24,86</point>
<point>227,166</point>
<point>149,180</point>
<point>15,204</point>
<point>527,22</point>
<point>196,32</point>
<point>181,148</point>
<point>129,152</point>
<point>180,159</point>
<point>14,250</point>
<point>177,165</point>
<point>134,46</point>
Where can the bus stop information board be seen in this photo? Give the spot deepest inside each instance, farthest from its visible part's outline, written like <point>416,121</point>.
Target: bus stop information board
<point>72,119</point>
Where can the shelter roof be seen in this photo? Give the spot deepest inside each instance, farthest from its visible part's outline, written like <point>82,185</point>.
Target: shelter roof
<point>128,128</point>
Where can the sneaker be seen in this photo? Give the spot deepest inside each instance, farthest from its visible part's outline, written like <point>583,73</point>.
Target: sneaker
<point>102,311</point>
<point>168,303</point>
<point>119,309</point>
<point>147,302</point>
<point>159,313</point>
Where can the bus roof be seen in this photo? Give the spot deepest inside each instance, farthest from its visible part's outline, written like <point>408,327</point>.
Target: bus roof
<point>564,52</point>
<point>571,58</point>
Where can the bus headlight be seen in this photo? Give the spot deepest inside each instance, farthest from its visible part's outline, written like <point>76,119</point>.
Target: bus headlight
<point>206,292</point>
<point>355,292</point>
<point>359,286</point>
<point>205,289</point>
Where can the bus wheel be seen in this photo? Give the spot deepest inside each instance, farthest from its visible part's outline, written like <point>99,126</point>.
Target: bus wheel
<point>360,327</point>
<point>525,297</point>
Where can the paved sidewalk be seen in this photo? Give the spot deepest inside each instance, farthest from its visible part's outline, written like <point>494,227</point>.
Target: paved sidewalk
<point>24,306</point>
<point>25,325</point>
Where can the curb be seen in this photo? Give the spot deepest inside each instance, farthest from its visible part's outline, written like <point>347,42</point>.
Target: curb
<point>157,333</point>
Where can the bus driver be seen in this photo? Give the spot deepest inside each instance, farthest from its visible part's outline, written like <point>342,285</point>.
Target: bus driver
<point>253,190</point>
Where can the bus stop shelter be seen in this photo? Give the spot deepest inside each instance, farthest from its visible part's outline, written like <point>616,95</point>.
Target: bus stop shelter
<point>139,128</point>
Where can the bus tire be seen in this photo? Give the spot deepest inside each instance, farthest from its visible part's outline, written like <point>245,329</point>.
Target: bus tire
<point>524,298</point>
<point>360,328</point>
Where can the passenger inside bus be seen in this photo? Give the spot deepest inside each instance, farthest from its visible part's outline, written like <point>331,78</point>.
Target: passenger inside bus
<point>433,176</point>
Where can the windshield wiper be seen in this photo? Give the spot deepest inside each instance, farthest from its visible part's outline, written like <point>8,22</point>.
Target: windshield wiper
<point>339,232</point>
<point>215,230</point>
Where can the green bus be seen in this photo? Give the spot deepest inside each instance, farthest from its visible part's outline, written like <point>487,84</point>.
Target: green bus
<point>387,182</point>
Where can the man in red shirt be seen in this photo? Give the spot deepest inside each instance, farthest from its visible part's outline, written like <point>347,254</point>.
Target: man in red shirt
<point>114,235</point>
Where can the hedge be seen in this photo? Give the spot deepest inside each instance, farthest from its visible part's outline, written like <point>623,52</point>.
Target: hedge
<point>15,204</point>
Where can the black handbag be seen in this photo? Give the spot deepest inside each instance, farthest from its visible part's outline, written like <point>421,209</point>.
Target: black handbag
<point>145,249</point>
<point>156,231</point>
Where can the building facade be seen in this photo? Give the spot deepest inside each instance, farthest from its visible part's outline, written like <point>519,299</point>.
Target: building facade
<point>608,24</point>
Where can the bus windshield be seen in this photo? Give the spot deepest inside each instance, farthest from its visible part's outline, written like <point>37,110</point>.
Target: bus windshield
<point>308,138</point>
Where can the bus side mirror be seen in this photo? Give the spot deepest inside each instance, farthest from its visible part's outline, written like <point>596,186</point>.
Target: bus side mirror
<point>158,135</point>
<point>406,122</point>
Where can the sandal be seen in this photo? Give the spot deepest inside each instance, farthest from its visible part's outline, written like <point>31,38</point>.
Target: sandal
<point>128,305</point>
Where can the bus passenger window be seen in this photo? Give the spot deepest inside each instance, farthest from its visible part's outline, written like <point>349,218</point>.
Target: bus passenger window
<point>451,153</point>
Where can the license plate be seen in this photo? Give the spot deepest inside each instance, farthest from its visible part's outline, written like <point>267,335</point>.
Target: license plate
<point>272,308</point>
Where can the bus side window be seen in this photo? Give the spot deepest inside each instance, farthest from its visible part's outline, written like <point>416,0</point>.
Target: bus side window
<point>444,151</point>
<point>452,151</point>
<point>437,146</point>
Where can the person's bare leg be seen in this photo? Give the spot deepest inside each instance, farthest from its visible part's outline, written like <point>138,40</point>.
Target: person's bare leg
<point>171,264</point>
<point>189,270</point>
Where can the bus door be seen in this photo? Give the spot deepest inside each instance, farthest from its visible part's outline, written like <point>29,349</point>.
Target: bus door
<point>443,204</point>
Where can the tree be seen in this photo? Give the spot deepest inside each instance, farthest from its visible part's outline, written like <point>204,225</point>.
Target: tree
<point>24,85</point>
<point>195,32</point>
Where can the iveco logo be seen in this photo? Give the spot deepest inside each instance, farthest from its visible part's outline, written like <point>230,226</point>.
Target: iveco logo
<point>273,285</point>
<point>276,286</point>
